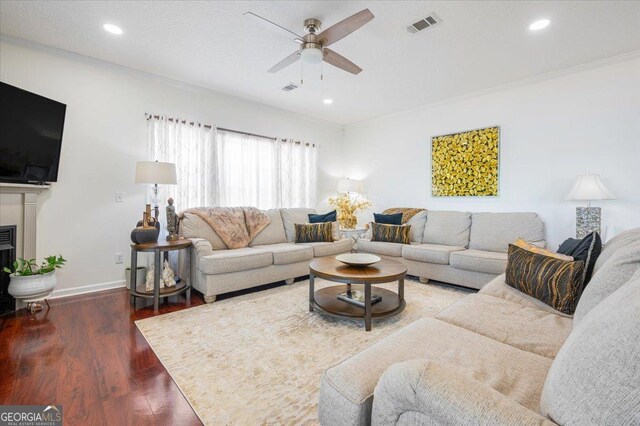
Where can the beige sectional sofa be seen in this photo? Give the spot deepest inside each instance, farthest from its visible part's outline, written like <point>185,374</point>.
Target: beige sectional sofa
<point>463,248</point>
<point>500,357</point>
<point>272,256</point>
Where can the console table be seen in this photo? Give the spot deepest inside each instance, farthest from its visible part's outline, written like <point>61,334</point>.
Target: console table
<point>158,248</point>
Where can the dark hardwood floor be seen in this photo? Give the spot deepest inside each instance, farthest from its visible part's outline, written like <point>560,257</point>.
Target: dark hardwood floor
<point>87,354</point>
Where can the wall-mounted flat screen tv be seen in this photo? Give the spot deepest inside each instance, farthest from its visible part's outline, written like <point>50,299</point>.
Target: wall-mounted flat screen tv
<point>30,136</point>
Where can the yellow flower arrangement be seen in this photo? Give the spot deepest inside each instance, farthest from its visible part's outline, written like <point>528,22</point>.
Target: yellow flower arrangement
<point>347,205</point>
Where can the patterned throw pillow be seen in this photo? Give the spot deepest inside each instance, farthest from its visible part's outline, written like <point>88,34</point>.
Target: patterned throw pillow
<point>527,246</point>
<point>390,233</point>
<point>558,283</point>
<point>314,232</point>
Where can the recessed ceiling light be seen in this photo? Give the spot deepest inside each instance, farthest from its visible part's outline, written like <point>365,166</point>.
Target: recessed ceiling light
<point>113,29</point>
<point>327,101</point>
<point>540,24</point>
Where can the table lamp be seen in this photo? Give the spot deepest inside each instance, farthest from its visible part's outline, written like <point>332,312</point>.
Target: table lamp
<point>348,186</point>
<point>588,187</point>
<point>156,173</point>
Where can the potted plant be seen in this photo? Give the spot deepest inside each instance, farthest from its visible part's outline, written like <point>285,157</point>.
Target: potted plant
<point>29,280</point>
<point>347,206</point>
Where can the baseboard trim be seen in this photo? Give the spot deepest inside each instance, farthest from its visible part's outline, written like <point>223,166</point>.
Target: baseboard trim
<point>92,288</point>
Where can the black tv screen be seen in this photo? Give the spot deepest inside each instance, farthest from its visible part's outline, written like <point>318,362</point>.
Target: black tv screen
<point>30,136</point>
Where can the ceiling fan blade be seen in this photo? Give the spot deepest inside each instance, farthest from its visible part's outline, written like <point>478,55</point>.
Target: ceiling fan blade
<point>340,61</point>
<point>284,31</point>
<point>345,27</point>
<point>286,62</point>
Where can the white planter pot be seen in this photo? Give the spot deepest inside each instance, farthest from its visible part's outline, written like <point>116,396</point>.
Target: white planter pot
<point>31,286</point>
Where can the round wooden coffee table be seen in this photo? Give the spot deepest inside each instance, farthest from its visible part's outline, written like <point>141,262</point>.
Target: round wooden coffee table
<point>326,299</point>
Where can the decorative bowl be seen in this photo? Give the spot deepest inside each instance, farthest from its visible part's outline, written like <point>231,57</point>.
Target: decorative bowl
<point>358,259</point>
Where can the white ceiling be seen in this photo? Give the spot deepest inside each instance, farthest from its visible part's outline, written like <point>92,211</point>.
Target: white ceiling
<point>479,45</point>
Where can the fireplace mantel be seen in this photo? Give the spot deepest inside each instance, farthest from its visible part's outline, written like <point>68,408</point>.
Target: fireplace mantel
<point>30,203</point>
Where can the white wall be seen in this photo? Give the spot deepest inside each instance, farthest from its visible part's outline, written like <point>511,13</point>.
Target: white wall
<point>104,135</point>
<point>551,131</point>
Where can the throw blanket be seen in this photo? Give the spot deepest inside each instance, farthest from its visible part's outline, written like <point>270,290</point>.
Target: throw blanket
<point>236,226</point>
<point>407,213</point>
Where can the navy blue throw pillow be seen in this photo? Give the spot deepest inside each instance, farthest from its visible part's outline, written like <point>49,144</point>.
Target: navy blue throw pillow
<point>320,218</point>
<point>389,219</point>
<point>587,249</point>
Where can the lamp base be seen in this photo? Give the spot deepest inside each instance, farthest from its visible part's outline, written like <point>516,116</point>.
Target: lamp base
<point>587,220</point>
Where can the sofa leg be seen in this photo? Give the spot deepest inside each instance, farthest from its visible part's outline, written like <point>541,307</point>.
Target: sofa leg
<point>424,280</point>
<point>289,281</point>
<point>210,299</point>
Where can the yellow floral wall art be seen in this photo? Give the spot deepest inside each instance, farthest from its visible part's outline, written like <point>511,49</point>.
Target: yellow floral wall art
<point>465,163</point>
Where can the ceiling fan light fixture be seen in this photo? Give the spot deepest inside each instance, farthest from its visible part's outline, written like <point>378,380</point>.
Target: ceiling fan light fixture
<point>311,55</point>
<point>539,24</point>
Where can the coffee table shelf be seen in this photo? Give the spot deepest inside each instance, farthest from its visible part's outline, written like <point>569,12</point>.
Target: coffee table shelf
<point>326,300</point>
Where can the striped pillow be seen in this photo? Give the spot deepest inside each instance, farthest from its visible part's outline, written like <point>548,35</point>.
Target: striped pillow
<point>390,233</point>
<point>556,282</point>
<point>314,232</point>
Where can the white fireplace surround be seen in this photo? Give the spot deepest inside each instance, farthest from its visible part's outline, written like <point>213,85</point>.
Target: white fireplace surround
<point>19,206</point>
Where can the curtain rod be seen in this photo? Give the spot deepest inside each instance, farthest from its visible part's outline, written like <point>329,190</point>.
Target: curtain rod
<point>208,126</point>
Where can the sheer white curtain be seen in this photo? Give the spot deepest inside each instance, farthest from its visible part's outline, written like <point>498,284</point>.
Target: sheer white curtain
<point>191,146</point>
<point>222,168</point>
<point>247,167</point>
<point>296,178</point>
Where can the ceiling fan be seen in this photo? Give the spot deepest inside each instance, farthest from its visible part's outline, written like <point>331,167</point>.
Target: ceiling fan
<point>313,46</point>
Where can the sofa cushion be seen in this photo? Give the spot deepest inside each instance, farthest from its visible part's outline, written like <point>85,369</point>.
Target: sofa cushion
<point>527,328</point>
<point>618,269</point>
<point>273,233</point>
<point>379,247</point>
<point>332,216</point>
<point>617,242</point>
<point>447,228</point>
<point>193,226</point>
<point>331,249</point>
<point>500,289</point>
<point>431,253</point>
<point>586,249</point>
<point>594,378</point>
<point>346,390</point>
<point>292,216</point>
<point>417,222</point>
<point>287,253</point>
<point>389,219</point>
<point>235,260</point>
<point>490,262</point>
<point>495,231</point>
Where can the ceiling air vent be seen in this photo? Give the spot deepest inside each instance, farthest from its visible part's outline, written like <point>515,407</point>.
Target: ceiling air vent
<point>425,23</point>
<point>290,87</point>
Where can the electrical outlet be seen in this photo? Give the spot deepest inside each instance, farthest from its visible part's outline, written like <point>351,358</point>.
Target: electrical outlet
<point>119,258</point>
<point>119,197</point>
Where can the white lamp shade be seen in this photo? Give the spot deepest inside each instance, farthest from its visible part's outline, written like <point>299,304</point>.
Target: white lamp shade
<point>156,172</point>
<point>589,187</point>
<point>348,185</point>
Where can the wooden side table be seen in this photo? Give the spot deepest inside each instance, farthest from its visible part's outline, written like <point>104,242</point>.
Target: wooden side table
<point>158,248</point>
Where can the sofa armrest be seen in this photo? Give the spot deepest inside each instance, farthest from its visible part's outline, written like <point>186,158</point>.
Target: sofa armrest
<point>201,246</point>
<point>435,391</point>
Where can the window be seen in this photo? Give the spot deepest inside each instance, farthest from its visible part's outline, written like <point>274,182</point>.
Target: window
<point>224,168</point>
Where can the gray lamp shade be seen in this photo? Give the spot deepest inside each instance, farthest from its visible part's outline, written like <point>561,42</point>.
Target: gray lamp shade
<point>156,172</point>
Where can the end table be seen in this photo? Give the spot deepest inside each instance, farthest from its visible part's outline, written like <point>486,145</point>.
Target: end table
<point>354,234</point>
<point>157,248</point>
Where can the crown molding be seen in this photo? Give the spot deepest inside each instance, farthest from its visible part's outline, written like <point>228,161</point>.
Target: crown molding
<point>576,69</point>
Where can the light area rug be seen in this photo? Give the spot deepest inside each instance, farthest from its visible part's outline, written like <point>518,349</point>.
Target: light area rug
<point>258,358</point>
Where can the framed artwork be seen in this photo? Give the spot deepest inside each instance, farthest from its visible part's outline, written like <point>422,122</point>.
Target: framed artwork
<point>465,164</point>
